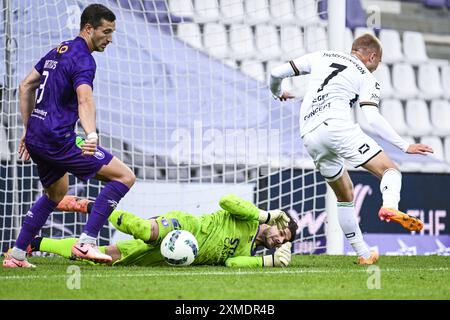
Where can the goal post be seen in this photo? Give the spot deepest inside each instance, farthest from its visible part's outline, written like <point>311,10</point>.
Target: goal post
<point>336,32</point>
<point>182,99</point>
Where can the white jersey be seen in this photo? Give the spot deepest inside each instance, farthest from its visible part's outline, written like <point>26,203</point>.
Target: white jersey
<point>337,82</point>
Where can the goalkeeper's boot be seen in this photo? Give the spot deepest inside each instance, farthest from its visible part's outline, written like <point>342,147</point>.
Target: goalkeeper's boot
<point>408,222</point>
<point>10,262</point>
<point>74,204</point>
<point>374,256</point>
<point>89,251</point>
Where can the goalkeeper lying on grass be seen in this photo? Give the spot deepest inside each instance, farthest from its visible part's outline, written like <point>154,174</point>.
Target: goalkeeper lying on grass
<point>226,237</point>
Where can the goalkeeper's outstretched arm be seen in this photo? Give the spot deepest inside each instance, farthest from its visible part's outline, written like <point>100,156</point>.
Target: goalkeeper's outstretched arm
<point>281,258</point>
<point>245,210</point>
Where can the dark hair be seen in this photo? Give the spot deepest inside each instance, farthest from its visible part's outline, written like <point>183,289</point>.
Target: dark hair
<point>94,13</point>
<point>292,226</point>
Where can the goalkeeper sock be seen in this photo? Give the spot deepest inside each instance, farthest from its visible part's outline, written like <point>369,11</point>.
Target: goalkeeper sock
<point>62,247</point>
<point>350,227</point>
<point>130,224</point>
<point>105,203</point>
<point>390,186</point>
<point>34,220</point>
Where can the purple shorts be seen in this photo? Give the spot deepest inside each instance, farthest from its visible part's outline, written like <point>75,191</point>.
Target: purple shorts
<point>53,164</point>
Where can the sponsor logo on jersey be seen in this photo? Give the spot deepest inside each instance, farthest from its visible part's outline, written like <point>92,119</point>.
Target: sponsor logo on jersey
<point>320,98</point>
<point>317,110</point>
<point>164,222</point>
<point>229,247</point>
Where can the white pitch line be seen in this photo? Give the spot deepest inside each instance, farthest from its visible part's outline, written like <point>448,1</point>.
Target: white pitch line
<point>214,273</point>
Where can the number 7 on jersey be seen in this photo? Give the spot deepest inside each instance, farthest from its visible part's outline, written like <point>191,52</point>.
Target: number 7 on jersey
<point>339,68</point>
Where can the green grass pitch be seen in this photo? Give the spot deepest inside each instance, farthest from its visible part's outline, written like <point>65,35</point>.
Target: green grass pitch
<point>308,277</point>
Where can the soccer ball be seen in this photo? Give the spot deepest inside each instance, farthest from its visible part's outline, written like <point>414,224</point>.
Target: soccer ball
<point>179,248</point>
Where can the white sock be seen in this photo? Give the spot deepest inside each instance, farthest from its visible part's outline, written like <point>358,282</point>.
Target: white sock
<point>84,238</point>
<point>390,186</point>
<point>350,227</point>
<point>18,254</point>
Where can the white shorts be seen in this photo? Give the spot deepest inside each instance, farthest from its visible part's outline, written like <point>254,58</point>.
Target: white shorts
<point>335,141</point>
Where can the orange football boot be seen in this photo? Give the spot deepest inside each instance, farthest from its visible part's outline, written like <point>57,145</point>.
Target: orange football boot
<point>74,204</point>
<point>374,256</point>
<point>407,222</point>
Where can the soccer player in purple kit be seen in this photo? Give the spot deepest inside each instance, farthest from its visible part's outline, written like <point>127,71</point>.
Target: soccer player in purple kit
<point>56,93</point>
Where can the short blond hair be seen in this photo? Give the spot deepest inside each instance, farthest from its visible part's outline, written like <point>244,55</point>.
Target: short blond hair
<point>366,42</point>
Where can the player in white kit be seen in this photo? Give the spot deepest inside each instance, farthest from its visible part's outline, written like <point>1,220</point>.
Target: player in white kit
<point>338,81</point>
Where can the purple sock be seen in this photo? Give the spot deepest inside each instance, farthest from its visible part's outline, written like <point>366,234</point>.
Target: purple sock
<point>105,203</point>
<point>34,220</point>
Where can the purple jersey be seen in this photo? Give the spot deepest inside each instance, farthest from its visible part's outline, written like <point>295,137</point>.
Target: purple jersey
<point>63,69</point>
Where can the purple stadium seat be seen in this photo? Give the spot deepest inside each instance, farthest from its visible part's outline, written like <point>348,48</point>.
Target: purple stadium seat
<point>323,9</point>
<point>434,3</point>
<point>355,15</point>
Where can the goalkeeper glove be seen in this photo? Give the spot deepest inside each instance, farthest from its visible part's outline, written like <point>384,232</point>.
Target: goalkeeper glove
<point>281,257</point>
<point>274,217</point>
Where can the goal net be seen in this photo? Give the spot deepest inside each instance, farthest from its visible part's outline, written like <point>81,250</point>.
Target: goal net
<point>182,99</point>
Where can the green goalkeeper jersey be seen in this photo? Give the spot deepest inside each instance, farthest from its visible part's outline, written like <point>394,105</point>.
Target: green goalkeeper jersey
<point>225,237</point>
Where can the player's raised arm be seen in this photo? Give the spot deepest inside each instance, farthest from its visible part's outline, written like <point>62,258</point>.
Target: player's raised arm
<point>369,103</point>
<point>292,68</point>
<point>276,77</point>
<point>239,208</point>
<point>385,130</point>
